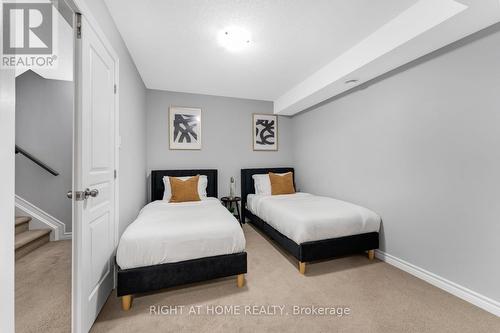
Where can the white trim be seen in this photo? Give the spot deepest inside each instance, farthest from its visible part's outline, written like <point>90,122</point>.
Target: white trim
<point>453,288</point>
<point>39,216</point>
<point>75,292</point>
<point>7,135</point>
<point>117,161</point>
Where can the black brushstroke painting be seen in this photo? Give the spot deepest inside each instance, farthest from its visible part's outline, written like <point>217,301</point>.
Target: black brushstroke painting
<point>185,128</point>
<point>264,132</point>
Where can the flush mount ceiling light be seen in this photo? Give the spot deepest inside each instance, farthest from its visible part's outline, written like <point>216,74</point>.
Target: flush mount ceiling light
<point>234,39</point>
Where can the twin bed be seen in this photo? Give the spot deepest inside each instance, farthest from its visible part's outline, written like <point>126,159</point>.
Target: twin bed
<point>171,244</point>
<point>307,226</point>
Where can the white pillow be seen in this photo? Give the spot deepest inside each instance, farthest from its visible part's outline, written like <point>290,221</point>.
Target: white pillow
<point>262,183</point>
<point>202,186</point>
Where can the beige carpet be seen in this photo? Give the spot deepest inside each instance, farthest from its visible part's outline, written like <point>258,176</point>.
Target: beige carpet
<point>43,289</point>
<point>381,298</point>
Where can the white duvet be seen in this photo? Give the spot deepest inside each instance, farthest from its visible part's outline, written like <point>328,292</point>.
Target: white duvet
<point>171,232</point>
<point>304,217</point>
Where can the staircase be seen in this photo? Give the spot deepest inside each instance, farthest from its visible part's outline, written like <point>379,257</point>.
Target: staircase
<point>28,240</point>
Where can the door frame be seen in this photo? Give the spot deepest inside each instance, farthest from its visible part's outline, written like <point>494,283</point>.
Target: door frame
<point>7,192</point>
<point>80,6</point>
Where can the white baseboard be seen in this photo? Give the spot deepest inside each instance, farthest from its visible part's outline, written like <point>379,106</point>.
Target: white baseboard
<point>453,288</point>
<point>40,219</point>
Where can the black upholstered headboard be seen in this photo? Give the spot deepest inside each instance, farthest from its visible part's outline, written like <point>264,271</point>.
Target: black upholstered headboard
<point>157,187</point>
<point>248,186</point>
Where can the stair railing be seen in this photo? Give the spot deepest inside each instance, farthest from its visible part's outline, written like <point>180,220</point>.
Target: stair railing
<point>35,160</point>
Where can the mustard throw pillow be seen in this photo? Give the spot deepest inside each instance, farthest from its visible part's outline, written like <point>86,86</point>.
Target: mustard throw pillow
<point>184,190</point>
<point>281,184</point>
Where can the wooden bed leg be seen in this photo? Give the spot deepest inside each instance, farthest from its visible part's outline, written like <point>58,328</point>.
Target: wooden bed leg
<point>240,280</point>
<point>126,302</point>
<point>371,254</point>
<point>302,267</point>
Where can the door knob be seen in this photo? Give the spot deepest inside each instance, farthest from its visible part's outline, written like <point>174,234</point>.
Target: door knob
<point>82,195</point>
<point>91,193</point>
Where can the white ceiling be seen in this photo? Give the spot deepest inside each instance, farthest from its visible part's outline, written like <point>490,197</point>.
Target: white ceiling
<point>174,43</point>
<point>302,51</point>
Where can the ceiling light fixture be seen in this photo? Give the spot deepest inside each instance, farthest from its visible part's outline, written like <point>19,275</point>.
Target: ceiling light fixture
<point>234,39</point>
<point>353,81</point>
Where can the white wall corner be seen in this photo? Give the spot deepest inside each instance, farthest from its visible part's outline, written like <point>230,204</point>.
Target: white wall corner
<point>42,220</point>
<point>453,288</point>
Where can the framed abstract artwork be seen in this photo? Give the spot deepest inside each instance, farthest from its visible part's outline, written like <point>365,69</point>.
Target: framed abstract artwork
<point>265,132</point>
<point>185,128</point>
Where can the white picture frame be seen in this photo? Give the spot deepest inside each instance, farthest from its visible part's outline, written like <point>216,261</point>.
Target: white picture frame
<point>184,128</point>
<point>265,132</point>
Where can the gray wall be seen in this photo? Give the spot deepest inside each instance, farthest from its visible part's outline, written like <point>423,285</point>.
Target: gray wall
<point>44,128</point>
<point>132,121</point>
<point>226,136</point>
<point>421,148</point>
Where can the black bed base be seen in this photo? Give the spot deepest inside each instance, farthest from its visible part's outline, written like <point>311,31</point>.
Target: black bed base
<point>318,250</point>
<point>150,278</point>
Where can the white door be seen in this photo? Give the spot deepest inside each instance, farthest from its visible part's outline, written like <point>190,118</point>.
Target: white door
<point>94,227</point>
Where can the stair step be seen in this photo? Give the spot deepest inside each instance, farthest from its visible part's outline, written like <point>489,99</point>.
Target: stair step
<point>22,219</point>
<point>22,223</point>
<point>28,241</point>
<point>26,237</point>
